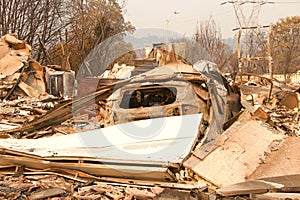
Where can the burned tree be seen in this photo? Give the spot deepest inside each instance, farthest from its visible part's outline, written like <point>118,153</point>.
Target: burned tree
<point>90,23</point>
<point>35,21</point>
<point>209,37</point>
<point>61,30</point>
<point>285,45</point>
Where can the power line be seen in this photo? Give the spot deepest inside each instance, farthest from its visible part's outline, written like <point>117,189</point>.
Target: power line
<point>261,2</point>
<point>248,32</point>
<point>242,2</point>
<point>291,2</point>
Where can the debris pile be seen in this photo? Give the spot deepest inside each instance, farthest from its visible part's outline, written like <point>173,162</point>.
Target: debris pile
<point>19,74</point>
<point>15,113</point>
<point>178,100</point>
<point>45,186</point>
<point>285,120</point>
<point>118,72</point>
<point>76,148</point>
<point>274,109</point>
<point>274,103</point>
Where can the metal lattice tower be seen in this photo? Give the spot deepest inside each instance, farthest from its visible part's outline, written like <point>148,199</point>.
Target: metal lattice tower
<point>247,14</point>
<point>247,18</point>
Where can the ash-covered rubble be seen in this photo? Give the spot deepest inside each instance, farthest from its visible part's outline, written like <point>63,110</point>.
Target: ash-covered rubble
<point>221,141</point>
<point>51,186</point>
<point>27,91</point>
<point>274,107</point>
<point>273,102</point>
<point>15,113</point>
<point>19,74</point>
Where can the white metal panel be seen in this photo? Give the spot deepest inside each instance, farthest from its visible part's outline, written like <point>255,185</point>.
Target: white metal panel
<point>160,140</point>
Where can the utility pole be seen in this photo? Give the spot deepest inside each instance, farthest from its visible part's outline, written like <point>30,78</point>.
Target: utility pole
<point>247,13</point>
<point>269,54</point>
<point>167,25</point>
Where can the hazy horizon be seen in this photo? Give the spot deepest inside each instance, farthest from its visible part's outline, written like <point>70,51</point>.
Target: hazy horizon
<point>154,14</point>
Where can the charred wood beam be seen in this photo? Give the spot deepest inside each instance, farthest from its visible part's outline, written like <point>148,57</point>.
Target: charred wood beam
<point>64,111</point>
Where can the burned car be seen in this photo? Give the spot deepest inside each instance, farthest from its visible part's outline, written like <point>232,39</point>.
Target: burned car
<point>157,95</point>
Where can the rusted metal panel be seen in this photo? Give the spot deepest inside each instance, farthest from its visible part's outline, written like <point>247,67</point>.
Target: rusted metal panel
<point>288,99</point>
<point>224,103</point>
<point>35,77</point>
<point>86,86</point>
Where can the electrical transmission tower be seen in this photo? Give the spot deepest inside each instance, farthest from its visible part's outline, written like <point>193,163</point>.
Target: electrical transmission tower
<point>250,34</point>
